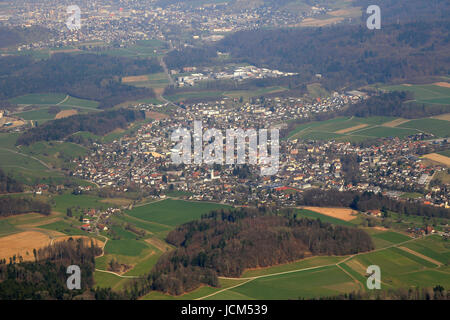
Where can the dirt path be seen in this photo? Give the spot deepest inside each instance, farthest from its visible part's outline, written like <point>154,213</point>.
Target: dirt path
<point>421,256</point>
<point>159,244</point>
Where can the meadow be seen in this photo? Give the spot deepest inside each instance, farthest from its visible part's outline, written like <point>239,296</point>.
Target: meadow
<point>173,212</point>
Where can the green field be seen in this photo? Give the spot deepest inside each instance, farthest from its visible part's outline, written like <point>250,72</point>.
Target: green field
<point>440,128</point>
<point>374,128</point>
<point>56,154</point>
<point>65,201</point>
<point>63,227</point>
<point>391,237</point>
<point>126,247</point>
<point>427,94</point>
<point>6,228</point>
<point>173,212</point>
<point>39,98</point>
<point>322,281</point>
<point>432,247</point>
<point>44,100</point>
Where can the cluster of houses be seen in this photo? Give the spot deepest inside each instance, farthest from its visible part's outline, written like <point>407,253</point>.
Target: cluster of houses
<point>96,220</point>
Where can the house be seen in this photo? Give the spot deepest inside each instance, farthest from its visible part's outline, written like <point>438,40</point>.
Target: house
<point>86,227</point>
<point>374,213</point>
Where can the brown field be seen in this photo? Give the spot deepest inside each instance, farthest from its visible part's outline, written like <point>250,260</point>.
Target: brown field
<point>86,239</point>
<point>155,115</point>
<point>350,12</point>
<point>66,113</point>
<point>438,158</point>
<point>158,91</point>
<point>421,256</point>
<point>442,84</point>
<point>443,117</point>
<point>14,121</point>
<point>132,79</point>
<point>352,128</point>
<point>64,51</point>
<point>311,22</point>
<point>345,214</point>
<point>23,243</point>
<point>395,123</point>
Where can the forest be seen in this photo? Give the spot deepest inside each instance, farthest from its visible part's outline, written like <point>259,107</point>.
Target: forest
<point>96,123</point>
<point>45,277</point>
<point>12,36</point>
<point>225,243</point>
<point>12,206</point>
<point>359,56</point>
<point>86,76</point>
<point>8,184</point>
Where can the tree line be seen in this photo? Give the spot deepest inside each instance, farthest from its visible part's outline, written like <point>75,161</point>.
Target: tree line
<point>368,201</point>
<point>359,56</point>
<point>12,206</point>
<point>100,124</point>
<point>45,277</point>
<point>8,184</point>
<point>87,76</point>
<point>394,104</point>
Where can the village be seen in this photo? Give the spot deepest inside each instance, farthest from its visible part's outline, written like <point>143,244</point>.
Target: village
<point>392,167</point>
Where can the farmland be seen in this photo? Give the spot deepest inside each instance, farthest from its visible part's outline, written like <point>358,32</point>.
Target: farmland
<point>354,129</point>
<point>427,93</point>
<point>327,276</point>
